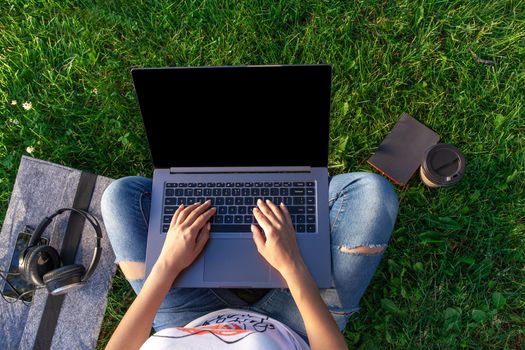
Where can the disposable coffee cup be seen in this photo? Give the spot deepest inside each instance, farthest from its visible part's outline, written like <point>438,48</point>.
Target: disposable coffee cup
<point>443,165</point>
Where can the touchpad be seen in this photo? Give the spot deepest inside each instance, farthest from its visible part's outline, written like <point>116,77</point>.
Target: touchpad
<point>234,260</point>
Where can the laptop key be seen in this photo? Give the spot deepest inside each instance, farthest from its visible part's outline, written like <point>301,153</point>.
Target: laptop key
<point>230,228</point>
<point>298,200</point>
<point>239,184</point>
<point>277,184</point>
<point>310,219</point>
<point>277,200</point>
<point>310,228</point>
<point>222,210</point>
<point>201,184</point>
<point>183,185</point>
<point>242,210</point>
<point>188,192</point>
<point>310,191</point>
<point>179,192</point>
<point>236,192</point>
<point>171,184</point>
<point>265,191</point>
<point>310,210</point>
<point>296,210</point>
<point>299,219</point>
<point>166,219</point>
<point>297,191</point>
<point>287,184</point>
<point>220,184</point>
<point>310,200</point>
<point>165,228</point>
<point>198,192</point>
<point>239,201</point>
<point>298,183</point>
<point>181,201</point>
<point>283,191</point>
<point>228,219</point>
<point>248,219</point>
<point>170,201</point>
<point>300,228</point>
<point>229,201</point>
<point>310,184</point>
<point>238,219</point>
<point>190,200</point>
<point>219,201</point>
<point>200,199</point>
<point>258,184</point>
<point>217,192</point>
<point>274,191</point>
<point>287,200</point>
<point>210,184</point>
<point>245,192</point>
<point>169,192</point>
<point>248,184</point>
<point>207,192</point>
<point>218,219</point>
<point>170,210</point>
<point>230,184</point>
<point>268,184</point>
<point>232,210</point>
<point>255,192</point>
<point>248,201</point>
<point>192,184</point>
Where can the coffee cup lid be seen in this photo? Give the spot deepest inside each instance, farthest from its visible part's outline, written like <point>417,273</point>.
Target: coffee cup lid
<point>443,164</point>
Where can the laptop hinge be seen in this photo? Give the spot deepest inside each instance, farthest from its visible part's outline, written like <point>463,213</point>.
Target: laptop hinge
<point>220,170</point>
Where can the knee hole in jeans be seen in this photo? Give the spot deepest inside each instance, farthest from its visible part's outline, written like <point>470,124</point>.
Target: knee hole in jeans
<point>342,312</point>
<point>132,270</point>
<point>363,249</point>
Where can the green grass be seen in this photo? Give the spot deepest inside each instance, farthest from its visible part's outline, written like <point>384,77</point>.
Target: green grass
<point>453,276</point>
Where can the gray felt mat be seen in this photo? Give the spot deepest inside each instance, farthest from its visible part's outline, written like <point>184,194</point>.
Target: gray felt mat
<point>40,189</point>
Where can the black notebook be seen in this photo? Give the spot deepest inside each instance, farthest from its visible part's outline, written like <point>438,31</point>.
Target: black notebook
<point>403,149</point>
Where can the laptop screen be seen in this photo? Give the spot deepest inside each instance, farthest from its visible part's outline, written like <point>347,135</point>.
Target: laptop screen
<point>236,116</point>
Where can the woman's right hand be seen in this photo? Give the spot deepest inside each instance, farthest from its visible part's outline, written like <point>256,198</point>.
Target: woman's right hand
<point>280,249</point>
<point>275,237</point>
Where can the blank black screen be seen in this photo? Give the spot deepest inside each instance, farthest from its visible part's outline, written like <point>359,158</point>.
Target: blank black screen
<point>236,116</point>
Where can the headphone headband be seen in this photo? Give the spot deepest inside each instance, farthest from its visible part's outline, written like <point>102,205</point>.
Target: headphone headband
<point>35,237</point>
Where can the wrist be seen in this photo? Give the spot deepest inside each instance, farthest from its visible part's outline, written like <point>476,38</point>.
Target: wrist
<point>166,267</point>
<point>297,269</point>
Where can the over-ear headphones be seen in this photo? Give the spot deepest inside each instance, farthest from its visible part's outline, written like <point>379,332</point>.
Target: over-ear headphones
<point>41,265</point>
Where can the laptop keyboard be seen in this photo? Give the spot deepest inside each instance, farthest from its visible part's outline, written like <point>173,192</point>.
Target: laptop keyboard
<point>235,200</point>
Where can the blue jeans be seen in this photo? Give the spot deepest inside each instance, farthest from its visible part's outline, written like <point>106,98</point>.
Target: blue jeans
<point>363,210</point>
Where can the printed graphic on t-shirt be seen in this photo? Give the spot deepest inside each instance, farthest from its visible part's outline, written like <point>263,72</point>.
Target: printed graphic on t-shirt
<point>247,321</point>
<point>220,329</point>
<point>234,329</point>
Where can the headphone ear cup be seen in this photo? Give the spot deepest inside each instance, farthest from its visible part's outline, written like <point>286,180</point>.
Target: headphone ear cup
<point>64,279</point>
<point>38,261</point>
<point>22,266</point>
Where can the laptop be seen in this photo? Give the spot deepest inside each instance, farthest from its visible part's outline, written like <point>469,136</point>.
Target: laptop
<point>233,135</point>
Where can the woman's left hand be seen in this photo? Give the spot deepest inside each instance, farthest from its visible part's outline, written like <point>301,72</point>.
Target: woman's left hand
<point>188,233</point>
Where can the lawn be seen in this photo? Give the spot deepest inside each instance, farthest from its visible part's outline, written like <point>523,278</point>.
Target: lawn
<point>454,273</point>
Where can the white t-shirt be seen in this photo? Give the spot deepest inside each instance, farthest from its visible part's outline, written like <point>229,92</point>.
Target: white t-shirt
<point>228,329</point>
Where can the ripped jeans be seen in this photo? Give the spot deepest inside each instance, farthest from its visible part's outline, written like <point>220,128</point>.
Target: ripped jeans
<point>363,210</point>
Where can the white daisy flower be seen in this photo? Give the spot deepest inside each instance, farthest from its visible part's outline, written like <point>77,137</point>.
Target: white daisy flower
<point>27,105</point>
<point>30,149</point>
<point>13,102</point>
<point>95,91</point>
